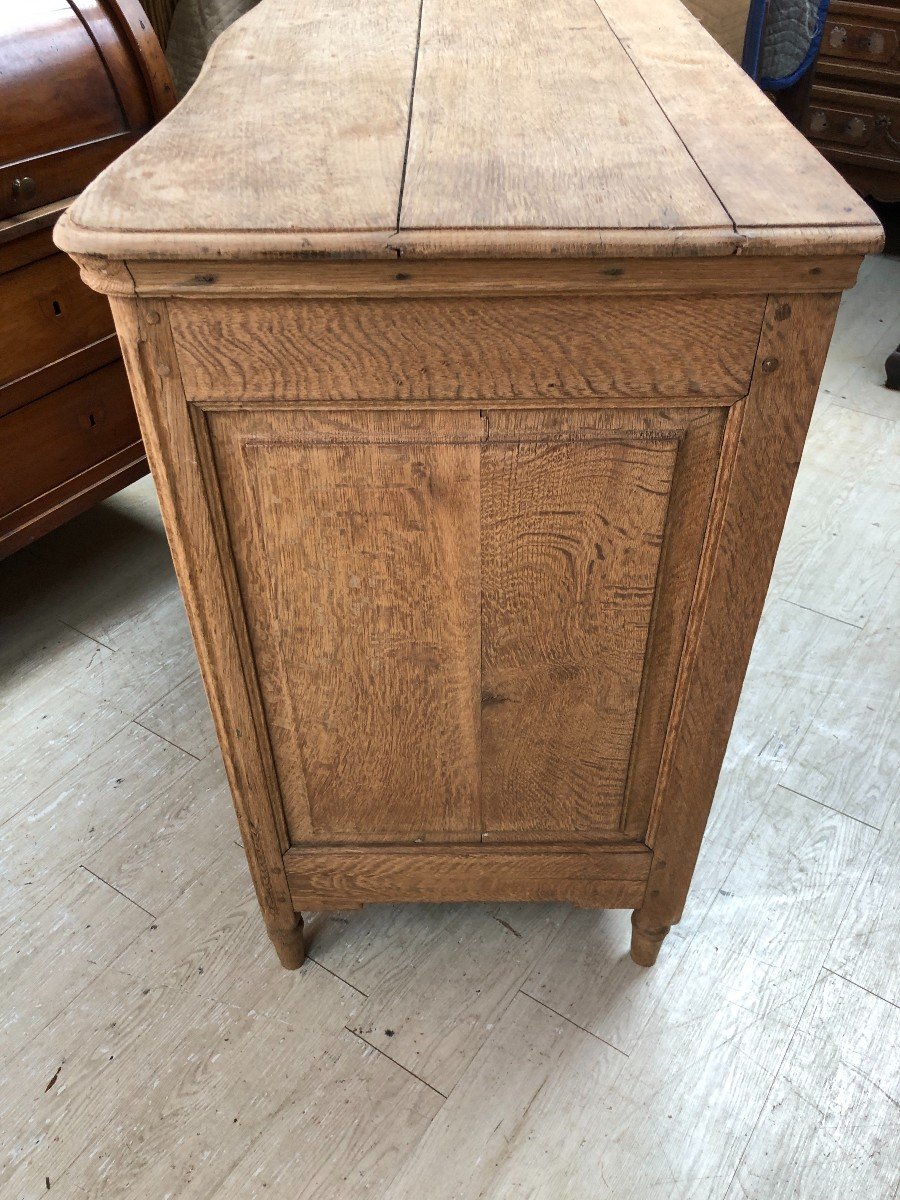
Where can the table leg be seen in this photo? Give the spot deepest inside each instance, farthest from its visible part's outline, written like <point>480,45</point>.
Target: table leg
<point>892,370</point>
<point>645,942</point>
<point>289,945</point>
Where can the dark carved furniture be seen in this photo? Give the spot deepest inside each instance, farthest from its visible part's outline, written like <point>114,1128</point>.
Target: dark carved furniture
<point>849,104</point>
<point>80,82</point>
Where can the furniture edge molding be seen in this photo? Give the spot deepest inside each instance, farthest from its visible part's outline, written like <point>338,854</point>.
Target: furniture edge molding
<point>276,278</point>
<point>106,275</point>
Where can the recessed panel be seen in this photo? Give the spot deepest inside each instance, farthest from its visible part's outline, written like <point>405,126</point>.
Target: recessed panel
<point>573,519</point>
<point>356,541</point>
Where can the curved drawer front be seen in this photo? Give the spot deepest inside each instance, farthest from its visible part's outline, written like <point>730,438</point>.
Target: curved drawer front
<point>81,80</point>
<point>57,105</point>
<point>850,122</point>
<point>467,349</point>
<point>864,41</point>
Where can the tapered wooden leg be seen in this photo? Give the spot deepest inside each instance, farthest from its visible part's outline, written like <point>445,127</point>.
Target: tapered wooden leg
<point>645,943</point>
<point>289,944</point>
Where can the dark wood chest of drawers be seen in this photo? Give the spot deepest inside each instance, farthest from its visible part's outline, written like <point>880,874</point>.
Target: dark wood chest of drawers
<point>853,109</point>
<point>80,82</point>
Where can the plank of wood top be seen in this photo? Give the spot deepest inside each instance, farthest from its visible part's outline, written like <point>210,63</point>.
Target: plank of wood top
<point>532,116</point>
<point>298,123</point>
<point>766,174</point>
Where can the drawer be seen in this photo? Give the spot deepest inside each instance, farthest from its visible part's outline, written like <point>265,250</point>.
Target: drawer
<point>862,122</point>
<point>501,348</point>
<point>64,433</point>
<point>861,42</point>
<point>864,40</point>
<point>56,176</point>
<point>46,312</point>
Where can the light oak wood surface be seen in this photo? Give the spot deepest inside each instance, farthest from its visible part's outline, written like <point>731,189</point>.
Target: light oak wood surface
<point>376,734</point>
<point>555,128</point>
<point>504,348</point>
<point>535,117</point>
<point>145,1055</point>
<point>433,545</point>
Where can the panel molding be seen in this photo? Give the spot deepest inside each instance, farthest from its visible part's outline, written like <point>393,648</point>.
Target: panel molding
<point>692,492</point>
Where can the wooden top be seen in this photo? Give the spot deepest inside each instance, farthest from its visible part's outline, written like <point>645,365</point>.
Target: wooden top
<point>469,128</point>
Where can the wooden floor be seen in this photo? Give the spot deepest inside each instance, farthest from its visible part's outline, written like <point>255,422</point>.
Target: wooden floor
<point>152,1047</point>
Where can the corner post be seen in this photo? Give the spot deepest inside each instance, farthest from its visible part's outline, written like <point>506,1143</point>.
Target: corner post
<point>761,453</point>
<point>189,516</point>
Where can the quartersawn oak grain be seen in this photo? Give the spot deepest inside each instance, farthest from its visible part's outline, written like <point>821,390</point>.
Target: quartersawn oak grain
<point>356,546</point>
<point>473,546</point>
<point>573,516</point>
<point>470,348</point>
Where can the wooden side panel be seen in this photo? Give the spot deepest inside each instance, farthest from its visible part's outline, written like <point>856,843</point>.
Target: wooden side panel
<point>450,610</point>
<point>573,513</point>
<point>482,349</point>
<point>356,540</point>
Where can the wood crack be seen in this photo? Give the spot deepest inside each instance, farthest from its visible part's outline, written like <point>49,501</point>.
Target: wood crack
<point>409,120</point>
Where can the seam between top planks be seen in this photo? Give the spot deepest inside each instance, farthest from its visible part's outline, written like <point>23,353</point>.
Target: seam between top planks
<point>673,126</point>
<point>409,119</point>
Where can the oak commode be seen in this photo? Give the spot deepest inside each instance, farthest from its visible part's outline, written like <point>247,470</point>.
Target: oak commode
<point>474,349</point>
